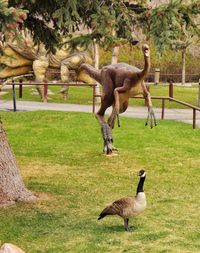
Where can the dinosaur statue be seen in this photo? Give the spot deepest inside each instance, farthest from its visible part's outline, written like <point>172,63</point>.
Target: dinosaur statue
<point>20,59</point>
<point>120,82</point>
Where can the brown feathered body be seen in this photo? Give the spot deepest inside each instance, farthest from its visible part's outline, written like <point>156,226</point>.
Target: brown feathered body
<point>126,207</point>
<point>129,206</point>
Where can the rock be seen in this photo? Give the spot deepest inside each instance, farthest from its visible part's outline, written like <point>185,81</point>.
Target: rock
<point>10,248</point>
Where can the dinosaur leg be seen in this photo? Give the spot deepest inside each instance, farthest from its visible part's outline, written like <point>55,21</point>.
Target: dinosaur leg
<point>106,101</point>
<point>151,115</point>
<point>64,72</point>
<point>106,131</point>
<point>121,94</point>
<point>72,62</point>
<point>39,68</point>
<point>114,115</point>
<point>111,119</point>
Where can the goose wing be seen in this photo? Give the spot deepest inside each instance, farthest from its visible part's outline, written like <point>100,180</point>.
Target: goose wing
<point>118,207</point>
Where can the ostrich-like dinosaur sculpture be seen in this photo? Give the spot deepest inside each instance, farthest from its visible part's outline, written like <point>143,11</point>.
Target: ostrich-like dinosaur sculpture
<point>120,82</point>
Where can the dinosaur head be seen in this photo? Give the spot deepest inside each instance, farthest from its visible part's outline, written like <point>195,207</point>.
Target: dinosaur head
<point>133,39</point>
<point>145,49</point>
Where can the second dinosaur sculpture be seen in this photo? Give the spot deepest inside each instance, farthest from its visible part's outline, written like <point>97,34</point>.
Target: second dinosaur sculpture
<point>19,59</point>
<point>120,82</point>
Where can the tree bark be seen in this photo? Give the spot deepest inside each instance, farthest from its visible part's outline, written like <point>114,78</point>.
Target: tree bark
<point>12,188</point>
<point>183,64</point>
<point>96,65</point>
<point>198,103</point>
<point>115,55</point>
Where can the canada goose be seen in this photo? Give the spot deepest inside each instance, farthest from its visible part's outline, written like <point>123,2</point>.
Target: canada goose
<point>129,206</point>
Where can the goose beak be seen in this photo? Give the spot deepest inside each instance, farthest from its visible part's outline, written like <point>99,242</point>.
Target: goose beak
<point>141,173</point>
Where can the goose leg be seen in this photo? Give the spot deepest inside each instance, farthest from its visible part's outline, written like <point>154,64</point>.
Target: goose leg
<point>127,228</point>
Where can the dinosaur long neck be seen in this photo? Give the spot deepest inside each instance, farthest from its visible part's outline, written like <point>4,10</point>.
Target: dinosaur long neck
<point>140,185</point>
<point>146,69</point>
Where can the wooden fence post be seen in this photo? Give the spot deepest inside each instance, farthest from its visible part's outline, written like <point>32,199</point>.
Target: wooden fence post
<point>14,96</point>
<point>199,95</point>
<point>157,76</point>
<point>194,118</point>
<point>45,95</point>
<point>163,109</point>
<point>171,88</point>
<point>20,88</point>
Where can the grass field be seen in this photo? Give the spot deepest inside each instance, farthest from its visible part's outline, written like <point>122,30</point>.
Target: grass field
<point>83,95</point>
<point>60,159</point>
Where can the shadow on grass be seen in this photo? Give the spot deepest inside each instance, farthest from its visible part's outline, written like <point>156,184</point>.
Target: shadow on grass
<point>111,228</point>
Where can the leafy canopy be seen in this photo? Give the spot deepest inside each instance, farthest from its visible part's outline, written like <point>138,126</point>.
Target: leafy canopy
<point>53,21</point>
<point>11,19</point>
<point>173,25</point>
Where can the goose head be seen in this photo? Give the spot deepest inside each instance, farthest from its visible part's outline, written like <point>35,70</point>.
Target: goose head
<point>142,173</point>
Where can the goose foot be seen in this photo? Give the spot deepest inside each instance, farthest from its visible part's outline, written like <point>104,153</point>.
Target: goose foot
<point>129,229</point>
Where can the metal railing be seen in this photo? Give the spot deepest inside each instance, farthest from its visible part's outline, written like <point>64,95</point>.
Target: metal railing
<point>94,95</point>
<point>45,85</point>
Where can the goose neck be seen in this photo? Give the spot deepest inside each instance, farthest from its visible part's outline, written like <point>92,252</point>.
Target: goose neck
<point>141,185</point>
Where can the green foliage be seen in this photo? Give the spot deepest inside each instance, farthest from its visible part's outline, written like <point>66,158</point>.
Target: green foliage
<point>52,22</point>
<point>109,21</point>
<point>11,20</point>
<point>173,25</point>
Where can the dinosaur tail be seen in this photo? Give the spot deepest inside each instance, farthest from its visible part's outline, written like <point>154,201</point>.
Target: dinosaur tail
<point>94,73</point>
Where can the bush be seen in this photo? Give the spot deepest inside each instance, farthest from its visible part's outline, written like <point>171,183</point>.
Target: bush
<point>169,63</point>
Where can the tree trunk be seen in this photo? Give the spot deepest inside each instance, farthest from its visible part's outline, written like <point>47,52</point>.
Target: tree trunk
<point>96,65</point>
<point>198,103</point>
<point>183,64</point>
<point>12,188</point>
<point>115,55</point>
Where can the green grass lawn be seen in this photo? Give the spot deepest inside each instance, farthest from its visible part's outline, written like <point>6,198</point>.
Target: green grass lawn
<point>83,95</point>
<point>60,159</point>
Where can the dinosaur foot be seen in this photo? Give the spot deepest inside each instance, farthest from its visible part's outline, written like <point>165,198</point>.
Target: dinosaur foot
<point>151,119</point>
<point>108,147</point>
